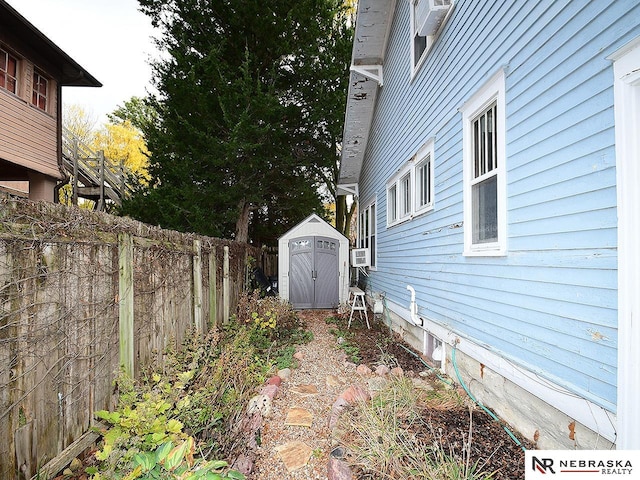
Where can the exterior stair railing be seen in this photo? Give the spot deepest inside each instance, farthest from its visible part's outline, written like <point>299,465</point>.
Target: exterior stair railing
<point>93,176</point>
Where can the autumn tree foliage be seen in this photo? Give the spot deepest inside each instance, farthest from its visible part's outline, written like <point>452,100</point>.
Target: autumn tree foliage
<point>120,140</point>
<point>123,143</point>
<point>242,142</point>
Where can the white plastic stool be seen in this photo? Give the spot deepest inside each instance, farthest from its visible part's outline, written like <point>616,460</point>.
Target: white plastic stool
<point>357,305</point>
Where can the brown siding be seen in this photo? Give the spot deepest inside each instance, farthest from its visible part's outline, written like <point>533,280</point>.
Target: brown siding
<point>28,135</point>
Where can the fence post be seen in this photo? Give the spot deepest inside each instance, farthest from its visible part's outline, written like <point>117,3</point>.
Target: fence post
<point>125,262</point>
<point>213,295</point>
<point>225,286</point>
<point>197,285</point>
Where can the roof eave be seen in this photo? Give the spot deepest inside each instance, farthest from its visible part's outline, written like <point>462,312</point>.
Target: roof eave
<point>73,75</point>
<point>373,24</point>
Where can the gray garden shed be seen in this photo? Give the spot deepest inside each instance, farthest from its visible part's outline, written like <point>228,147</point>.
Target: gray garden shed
<point>313,265</point>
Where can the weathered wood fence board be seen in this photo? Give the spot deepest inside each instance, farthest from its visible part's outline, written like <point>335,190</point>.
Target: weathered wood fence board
<point>66,309</point>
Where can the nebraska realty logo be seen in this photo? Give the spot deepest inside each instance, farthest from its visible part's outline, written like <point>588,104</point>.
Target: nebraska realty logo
<point>582,464</point>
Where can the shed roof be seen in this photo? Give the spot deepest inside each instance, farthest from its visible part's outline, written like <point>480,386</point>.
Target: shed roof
<point>73,75</point>
<point>320,226</point>
<point>373,22</point>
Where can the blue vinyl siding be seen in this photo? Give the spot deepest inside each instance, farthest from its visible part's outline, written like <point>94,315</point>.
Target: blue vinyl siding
<point>550,304</point>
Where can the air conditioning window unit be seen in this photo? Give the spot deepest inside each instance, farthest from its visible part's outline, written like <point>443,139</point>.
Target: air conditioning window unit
<point>429,15</point>
<point>360,257</point>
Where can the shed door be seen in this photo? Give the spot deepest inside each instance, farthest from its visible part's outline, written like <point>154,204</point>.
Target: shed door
<point>313,272</point>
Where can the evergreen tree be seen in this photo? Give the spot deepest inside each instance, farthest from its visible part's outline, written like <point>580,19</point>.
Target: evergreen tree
<point>235,140</point>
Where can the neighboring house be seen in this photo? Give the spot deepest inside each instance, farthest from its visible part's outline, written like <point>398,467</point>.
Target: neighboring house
<point>495,154</point>
<point>33,71</point>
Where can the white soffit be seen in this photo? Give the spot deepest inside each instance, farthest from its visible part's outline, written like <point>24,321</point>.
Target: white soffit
<point>373,23</point>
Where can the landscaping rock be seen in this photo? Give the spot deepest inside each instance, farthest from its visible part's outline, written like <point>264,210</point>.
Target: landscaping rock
<point>259,404</point>
<point>251,423</point>
<point>338,470</point>
<point>382,370</point>
<point>284,374</point>
<point>269,391</point>
<point>298,355</point>
<point>355,393</point>
<point>300,417</point>
<point>363,370</point>
<point>338,452</point>
<point>397,372</point>
<point>338,406</point>
<point>304,390</point>
<point>377,383</point>
<point>295,455</point>
<point>275,380</point>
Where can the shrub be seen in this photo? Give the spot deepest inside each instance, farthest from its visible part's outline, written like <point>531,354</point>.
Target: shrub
<point>144,441</point>
<point>274,327</point>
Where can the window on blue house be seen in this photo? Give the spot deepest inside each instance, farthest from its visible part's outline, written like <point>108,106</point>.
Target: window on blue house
<point>484,158</point>
<point>405,195</point>
<point>424,176</point>
<point>484,183</point>
<point>392,204</point>
<point>410,190</point>
<point>367,230</point>
<point>427,18</point>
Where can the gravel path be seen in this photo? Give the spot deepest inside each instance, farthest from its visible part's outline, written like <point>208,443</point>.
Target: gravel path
<point>319,359</point>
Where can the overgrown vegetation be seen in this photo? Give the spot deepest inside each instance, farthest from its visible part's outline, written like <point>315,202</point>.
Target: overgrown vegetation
<point>172,423</point>
<point>385,437</point>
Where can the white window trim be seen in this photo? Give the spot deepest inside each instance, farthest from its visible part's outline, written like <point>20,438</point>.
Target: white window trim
<point>431,39</point>
<point>391,219</point>
<point>395,181</point>
<point>426,151</point>
<point>493,90</point>
<point>406,199</point>
<point>410,170</point>
<point>373,230</point>
<point>626,88</point>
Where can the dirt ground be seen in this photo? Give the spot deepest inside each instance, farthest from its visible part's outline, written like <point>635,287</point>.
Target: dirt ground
<point>491,445</point>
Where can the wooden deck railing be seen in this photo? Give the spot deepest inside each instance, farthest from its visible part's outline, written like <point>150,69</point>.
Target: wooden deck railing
<point>93,175</point>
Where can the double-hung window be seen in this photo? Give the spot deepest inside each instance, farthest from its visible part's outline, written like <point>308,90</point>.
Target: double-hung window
<point>410,191</point>
<point>367,234</point>
<point>40,90</point>
<point>8,71</point>
<point>484,170</point>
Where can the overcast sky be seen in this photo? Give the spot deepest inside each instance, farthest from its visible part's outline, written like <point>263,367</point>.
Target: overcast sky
<point>110,39</point>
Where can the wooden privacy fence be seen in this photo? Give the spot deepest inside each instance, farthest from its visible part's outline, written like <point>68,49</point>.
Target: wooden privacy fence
<point>83,294</point>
